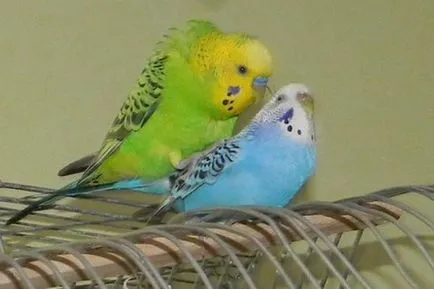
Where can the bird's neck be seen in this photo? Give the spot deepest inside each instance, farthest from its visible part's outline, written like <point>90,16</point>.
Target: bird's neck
<point>267,136</point>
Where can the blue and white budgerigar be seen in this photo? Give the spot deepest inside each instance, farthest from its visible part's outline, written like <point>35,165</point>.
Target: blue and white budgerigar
<point>265,164</point>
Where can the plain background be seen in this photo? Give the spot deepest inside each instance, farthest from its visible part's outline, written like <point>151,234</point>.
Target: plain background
<point>66,67</point>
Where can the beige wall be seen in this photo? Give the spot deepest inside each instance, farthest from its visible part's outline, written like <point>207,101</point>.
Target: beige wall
<point>66,66</point>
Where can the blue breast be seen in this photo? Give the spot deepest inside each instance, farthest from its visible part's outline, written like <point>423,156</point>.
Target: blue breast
<point>270,173</point>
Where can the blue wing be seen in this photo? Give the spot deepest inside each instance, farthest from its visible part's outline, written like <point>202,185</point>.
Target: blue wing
<point>202,169</point>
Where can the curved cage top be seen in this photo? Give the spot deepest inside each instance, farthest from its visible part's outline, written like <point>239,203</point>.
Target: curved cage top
<point>312,245</point>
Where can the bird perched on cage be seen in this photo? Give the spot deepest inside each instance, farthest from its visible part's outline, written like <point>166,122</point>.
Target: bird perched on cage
<point>188,96</point>
<point>266,164</point>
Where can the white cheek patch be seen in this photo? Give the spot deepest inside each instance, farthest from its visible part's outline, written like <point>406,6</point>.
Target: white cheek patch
<point>299,128</point>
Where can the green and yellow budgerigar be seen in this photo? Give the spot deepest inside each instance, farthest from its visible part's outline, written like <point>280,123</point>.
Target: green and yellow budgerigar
<point>188,96</point>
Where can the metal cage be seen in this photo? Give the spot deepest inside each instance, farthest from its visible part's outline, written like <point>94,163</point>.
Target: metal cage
<point>312,245</point>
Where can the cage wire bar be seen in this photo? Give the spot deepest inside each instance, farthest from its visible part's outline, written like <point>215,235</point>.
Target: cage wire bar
<point>311,245</point>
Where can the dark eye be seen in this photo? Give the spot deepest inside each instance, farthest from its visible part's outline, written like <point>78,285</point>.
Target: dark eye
<point>280,98</point>
<point>242,69</point>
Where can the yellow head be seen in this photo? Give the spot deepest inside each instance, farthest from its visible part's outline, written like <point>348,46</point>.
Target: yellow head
<point>239,66</point>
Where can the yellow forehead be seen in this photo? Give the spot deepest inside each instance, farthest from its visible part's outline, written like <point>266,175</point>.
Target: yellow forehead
<point>234,49</point>
<point>258,57</point>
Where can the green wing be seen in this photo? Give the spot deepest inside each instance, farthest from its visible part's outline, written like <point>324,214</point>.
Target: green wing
<point>139,106</point>
<point>143,100</point>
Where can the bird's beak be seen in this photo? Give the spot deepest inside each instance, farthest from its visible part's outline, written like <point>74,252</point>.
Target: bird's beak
<point>259,86</point>
<point>307,102</point>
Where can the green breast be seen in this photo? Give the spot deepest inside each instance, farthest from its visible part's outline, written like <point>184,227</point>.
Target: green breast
<point>179,125</point>
<point>145,153</point>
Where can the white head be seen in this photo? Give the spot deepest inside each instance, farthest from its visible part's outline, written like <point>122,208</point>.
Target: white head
<point>291,110</point>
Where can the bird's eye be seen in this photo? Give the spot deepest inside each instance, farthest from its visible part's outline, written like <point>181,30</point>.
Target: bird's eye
<point>242,69</point>
<point>280,98</point>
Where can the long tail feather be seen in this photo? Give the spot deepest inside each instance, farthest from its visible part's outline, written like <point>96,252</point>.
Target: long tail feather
<point>157,187</point>
<point>47,201</point>
<point>36,206</point>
